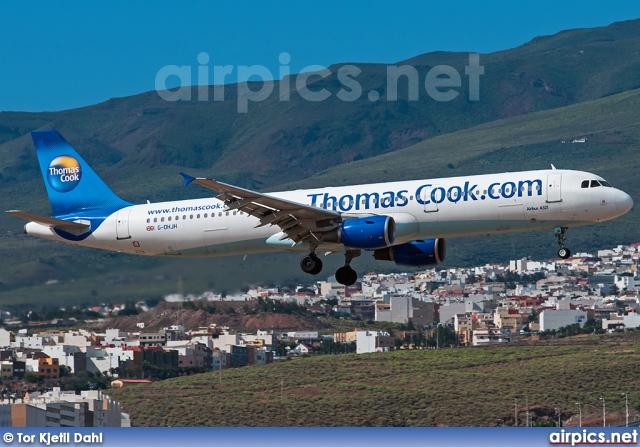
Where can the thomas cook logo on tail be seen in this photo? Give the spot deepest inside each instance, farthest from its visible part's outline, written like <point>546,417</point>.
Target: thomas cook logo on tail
<point>64,173</point>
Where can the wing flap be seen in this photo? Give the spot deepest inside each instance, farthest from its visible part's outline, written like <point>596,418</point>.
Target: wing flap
<point>296,220</point>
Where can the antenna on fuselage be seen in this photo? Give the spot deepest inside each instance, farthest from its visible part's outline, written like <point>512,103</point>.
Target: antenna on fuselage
<point>553,167</point>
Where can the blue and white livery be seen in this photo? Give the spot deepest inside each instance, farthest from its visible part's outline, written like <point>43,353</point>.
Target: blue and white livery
<point>405,222</point>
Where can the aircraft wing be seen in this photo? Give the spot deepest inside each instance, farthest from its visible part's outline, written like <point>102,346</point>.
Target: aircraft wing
<point>51,222</point>
<point>297,220</point>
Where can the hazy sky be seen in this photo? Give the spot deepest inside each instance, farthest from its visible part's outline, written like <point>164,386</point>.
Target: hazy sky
<point>61,55</point>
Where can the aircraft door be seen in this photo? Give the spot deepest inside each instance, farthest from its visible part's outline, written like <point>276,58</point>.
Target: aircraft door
<point>428,195</point>
<point>122,224</point>
<point>216,238</point>
<point>554,188</point>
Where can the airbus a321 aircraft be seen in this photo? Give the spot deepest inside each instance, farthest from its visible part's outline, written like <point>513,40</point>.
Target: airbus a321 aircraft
<point>404,222</point>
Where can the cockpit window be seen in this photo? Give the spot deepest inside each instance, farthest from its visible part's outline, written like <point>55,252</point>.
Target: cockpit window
<point>594,184</point>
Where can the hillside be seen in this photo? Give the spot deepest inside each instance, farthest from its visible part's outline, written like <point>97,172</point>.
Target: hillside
<point>298,138</point>
<point>532,141</point>
<point>551,89</point>
<point>166,315</point>
<point>449,387</point>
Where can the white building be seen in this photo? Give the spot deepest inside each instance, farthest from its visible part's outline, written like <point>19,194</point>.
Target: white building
<point>552,320</point>
<point>76,339</point>
<point>621,321</point>
<point>28,342</point>
<point>64,353</point>
<point>367,341</point>
<point>5,338</point>
<point>227,339</point>
<point>65,408</point>
<point>399,310</point>
<point>449,311</point>
<point>487,336</point>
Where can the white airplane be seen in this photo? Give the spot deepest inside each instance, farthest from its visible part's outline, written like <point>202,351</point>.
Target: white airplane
<point>405,222</point>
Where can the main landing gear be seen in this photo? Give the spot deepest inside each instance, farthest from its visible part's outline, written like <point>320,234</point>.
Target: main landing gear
<point>563,252</point>
<point>344,275</point>
<point>311,264</point>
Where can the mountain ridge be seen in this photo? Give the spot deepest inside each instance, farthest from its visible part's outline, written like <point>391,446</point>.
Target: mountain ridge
<point>572,84</point>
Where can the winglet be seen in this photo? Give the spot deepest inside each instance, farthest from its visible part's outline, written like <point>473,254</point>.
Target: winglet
<point>187,178</point>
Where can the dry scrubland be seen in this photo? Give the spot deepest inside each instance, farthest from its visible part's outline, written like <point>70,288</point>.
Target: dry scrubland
<point>449,387</point>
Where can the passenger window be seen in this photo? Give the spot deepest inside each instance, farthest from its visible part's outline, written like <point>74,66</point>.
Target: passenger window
<point>227,213</point>
<point>148,220</point>
<point>220,214</point>
<point>190,216</point>
<point>198,216</point>
<point>184,217</point>
<point>205,215</point>
<point>585,184</point>
<point>169,218</point>
<point>234,213</point>
<point>155,219</point>
<point>162,219</point>
<point>177,217</point>
<point>595,183</point>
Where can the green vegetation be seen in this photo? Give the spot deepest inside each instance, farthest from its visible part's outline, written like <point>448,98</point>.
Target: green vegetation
<point>590,327</point>
<point>453,386</point>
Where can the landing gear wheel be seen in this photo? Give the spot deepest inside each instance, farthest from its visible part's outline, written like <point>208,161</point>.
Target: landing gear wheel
<point>311,264</point>
<point>564,253</point>
<point>346,276</point>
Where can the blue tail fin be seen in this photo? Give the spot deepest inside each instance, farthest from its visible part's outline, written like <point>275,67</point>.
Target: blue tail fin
<point>71,184</point>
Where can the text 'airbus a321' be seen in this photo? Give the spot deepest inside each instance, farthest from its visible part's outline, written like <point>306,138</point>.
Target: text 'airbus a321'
<point>405,222</point>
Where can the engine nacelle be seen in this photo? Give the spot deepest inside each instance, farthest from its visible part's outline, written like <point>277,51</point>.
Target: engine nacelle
<point>418,253</point>
<point>367,233</point>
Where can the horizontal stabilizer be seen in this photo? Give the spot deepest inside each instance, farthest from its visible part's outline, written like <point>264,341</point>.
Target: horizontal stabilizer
<point>52,222</point>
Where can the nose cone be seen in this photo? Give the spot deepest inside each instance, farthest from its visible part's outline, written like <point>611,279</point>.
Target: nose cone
<point>624,202</point>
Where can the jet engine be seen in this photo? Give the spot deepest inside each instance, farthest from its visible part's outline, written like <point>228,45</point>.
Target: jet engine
<point>367,233</point>
<point>418,253</point>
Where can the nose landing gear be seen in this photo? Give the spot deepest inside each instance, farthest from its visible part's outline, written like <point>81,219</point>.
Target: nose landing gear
<point>563,252</point>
